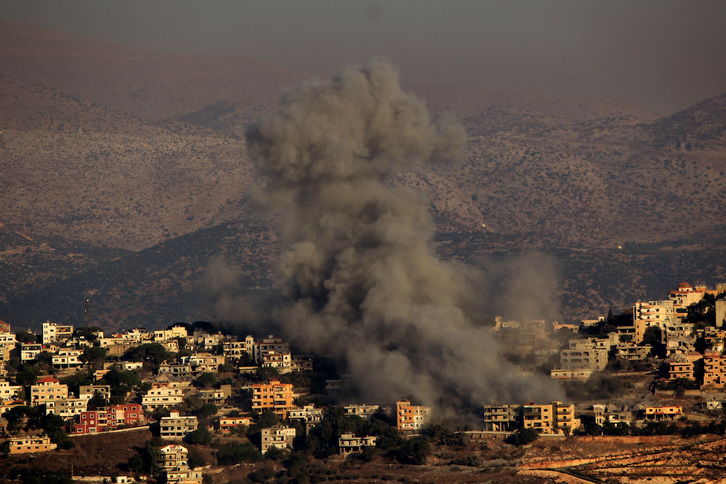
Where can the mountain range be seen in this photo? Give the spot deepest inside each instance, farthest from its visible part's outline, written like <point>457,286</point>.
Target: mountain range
<point>124,172</point>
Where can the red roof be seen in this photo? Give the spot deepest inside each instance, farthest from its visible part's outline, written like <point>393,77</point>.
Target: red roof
<point>48,379</point>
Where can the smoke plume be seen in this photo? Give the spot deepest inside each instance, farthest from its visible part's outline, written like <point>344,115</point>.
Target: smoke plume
<point>358,279</point>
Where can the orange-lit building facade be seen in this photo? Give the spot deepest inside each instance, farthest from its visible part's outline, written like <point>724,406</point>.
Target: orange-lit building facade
<point>273,395</point>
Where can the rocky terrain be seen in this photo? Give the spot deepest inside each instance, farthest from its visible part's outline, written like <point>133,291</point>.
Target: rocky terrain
<point>124,171</point>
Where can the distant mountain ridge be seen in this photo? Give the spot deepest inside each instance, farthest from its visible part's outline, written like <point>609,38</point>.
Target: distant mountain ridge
<point>121,151</point>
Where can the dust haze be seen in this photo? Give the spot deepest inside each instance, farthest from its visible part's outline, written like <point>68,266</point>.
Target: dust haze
<point>357,276</point>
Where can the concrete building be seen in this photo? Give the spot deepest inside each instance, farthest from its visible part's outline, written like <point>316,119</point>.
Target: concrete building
<point>277,436</point>
<point>552,418</point>
<point>271,343</point>
<point>658,314</point>
<point>350,444</point>
<point>66,407</point>
<point>683,366</point>
<point>714,370</point>
<point>684,296</point>
<point>410,418</point>
<point>46,390</point>
<point>67,358</point>
<point>663,412</point>
<point>612,414</point>
<point>364,411</point>
<point>502,418</point>
<point>176,426</point>
<point>583,354</point>
<point>56,332</point>
<point>29,352</point>
<point>9,392</point>
<point>164,395</point>
<point>226,424</point>
<point>273,395</point>
<point>239,350</point>
<point>30,445</point>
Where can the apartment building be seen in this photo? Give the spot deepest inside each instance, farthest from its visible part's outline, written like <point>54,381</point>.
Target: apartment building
<point>274,395</point>
<point>351,444</point>
<point>88,391</point>
<point>115,416</point>
<point>584,354</point>
<point>271,343</point>
<point>66,407</point>
<point>281,361</point>
<point>55,332</point>
<point>684,296</point>
<point>683,366</point>
<point>9,392</point>
<point>239,350</point>
<point>164,395</point>
<point>612,414</point>
<point>552,418</point>
<point>67,358</point>
<point>501,418</point>
<point>714,370</point>
<point>46,390</point>
<point>647,314</point>
<point>30,351</point>
<point>203,362</point>
<point>277,436</point>
<point>308,414</point>
<point>410,418</point>
<point>176,426</point>
<point>173,457</point>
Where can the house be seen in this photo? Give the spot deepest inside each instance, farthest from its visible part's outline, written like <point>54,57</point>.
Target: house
<point>226,424</point>
<point>277,436</point>
<point>46,390</point>
<point>88,391</point>
<point>612,414</point>
<point>553,418</point>
<point>66,407</point>
<point>584,354</point>
<point>203,362</point>
<point>281,361</point>
<point>176,426</point>
<point>350,444</point>
<point>410,418</point>
<point>364,411</point>
<point>30,445</point>
<point>239,350</point>
<point>310,416</point>
<point>663,412</point>
<point>274,395</point>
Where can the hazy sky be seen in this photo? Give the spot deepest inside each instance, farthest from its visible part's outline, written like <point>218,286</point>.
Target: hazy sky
<point>661,54</point>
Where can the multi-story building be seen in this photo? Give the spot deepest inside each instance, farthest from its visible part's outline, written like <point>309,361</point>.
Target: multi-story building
<point>115,416</point>
<point>266,345</point>
<point>274,395</point>
<point>281,361</point>
<point>583,354</point>
<point>30,351</point>
<point>56,332</point>
<point>652,314</point>
<point>173,457</point>
<point>683,366</point>
<point>9,392</point>
<point>302,363</point>
<point>364,411</point>
<point>66,407</point>
<point>552,418</point>
<point>350,444</point>
<point>663,412</point>
<point>171,333</point>
<point>277,436</point>
<point>176,426</point>
<point>684,296</point>
<point>502,418</point>
<point>46,390</point>
<point>203,362</point>
<point>88,391</point>
<point>31,445</point>
<point>714,370</point>
<point>226,424</point>
<point>239,350</point>
<point>67,358</point>
<point>612,414</point>
<point>164,395</point>
<point>309,415</point>
<point>410,418</point>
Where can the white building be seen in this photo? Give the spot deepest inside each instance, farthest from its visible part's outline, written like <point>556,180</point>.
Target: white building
<point>278,436</point>
<point>54,332</point>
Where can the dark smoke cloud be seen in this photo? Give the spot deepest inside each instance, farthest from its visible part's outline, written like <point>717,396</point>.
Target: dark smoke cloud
<point>357,277</point>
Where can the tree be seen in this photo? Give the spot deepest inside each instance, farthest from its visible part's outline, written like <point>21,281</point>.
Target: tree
<point>237,452</point>
<point>95,356</point>
<point>25,337</point>
<point>201,436</point>
<point>523,437</point>
<point>205,380</point>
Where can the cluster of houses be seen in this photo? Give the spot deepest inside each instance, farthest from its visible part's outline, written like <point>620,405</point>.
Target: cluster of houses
<point>584,356</point>
<point>171,385</point>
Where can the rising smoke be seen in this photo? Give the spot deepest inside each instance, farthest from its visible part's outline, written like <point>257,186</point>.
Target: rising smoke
<point>358,279</point>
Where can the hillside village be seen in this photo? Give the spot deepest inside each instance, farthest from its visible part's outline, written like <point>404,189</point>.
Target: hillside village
<point>658,370</point>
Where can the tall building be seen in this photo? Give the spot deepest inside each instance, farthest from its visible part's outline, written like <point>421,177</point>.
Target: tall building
<point>411,418</point>
<point>273,395</point>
